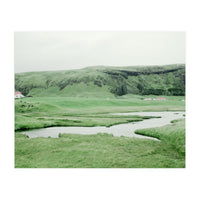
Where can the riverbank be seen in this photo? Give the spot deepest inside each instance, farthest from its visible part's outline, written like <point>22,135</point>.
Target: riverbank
<point>103,150</point>
<point>43,112</point>
<point>147,120</point>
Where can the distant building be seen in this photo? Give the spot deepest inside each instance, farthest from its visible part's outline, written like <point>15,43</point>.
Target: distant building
<point>18,95</point>
<point>148,99</point>
<point>160,98</point>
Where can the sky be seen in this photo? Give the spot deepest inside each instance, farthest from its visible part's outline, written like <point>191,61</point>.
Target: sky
<point>45,51</point>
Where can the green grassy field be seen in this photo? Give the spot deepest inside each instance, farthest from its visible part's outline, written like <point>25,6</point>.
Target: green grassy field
<point>41,112</point>
<point>103,150</point>
<point>100,150</point>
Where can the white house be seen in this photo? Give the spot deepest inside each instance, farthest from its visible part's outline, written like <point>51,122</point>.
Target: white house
<point>18,95</point>
<point>147,99</point>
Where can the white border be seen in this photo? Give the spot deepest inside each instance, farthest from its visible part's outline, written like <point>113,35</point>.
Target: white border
<point>102,15</point>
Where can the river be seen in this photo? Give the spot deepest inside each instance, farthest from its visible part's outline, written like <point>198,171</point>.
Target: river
<point>127,129</point>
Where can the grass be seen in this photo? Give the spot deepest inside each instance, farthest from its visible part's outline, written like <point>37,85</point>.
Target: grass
<point>39,112</point>
<point>103,150</point>
<point>103,81</point>
<point>172,138</point>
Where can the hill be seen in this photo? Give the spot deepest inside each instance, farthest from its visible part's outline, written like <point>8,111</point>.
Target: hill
<point>104,81</point>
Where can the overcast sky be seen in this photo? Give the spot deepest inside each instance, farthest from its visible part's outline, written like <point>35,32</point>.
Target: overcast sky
<point>43,51</point>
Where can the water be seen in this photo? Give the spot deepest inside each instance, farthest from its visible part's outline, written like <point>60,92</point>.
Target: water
<point>127,130</point>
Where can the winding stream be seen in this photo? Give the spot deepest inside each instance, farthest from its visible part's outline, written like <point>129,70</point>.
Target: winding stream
<point>127,130</point>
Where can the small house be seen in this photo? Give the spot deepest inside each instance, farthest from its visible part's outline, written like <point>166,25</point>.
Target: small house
<point>148,99</point>
<point>18,95</point>
<point>161,98</point>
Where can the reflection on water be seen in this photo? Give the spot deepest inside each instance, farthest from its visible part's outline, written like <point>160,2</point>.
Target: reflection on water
<point>127,129</point>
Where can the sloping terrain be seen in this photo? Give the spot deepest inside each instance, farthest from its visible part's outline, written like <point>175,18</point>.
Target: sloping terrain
<point>104,81</point>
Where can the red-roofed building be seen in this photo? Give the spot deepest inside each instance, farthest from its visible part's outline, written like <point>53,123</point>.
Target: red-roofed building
<point>18,95</point>
<point>161,98</point>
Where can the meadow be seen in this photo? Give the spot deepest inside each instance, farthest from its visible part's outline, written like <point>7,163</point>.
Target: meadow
<point>39,112</point>
<point>85,97</point>
<point>101,150</point>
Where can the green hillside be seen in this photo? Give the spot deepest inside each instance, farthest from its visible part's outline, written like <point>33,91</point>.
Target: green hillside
<point>102,81</point>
